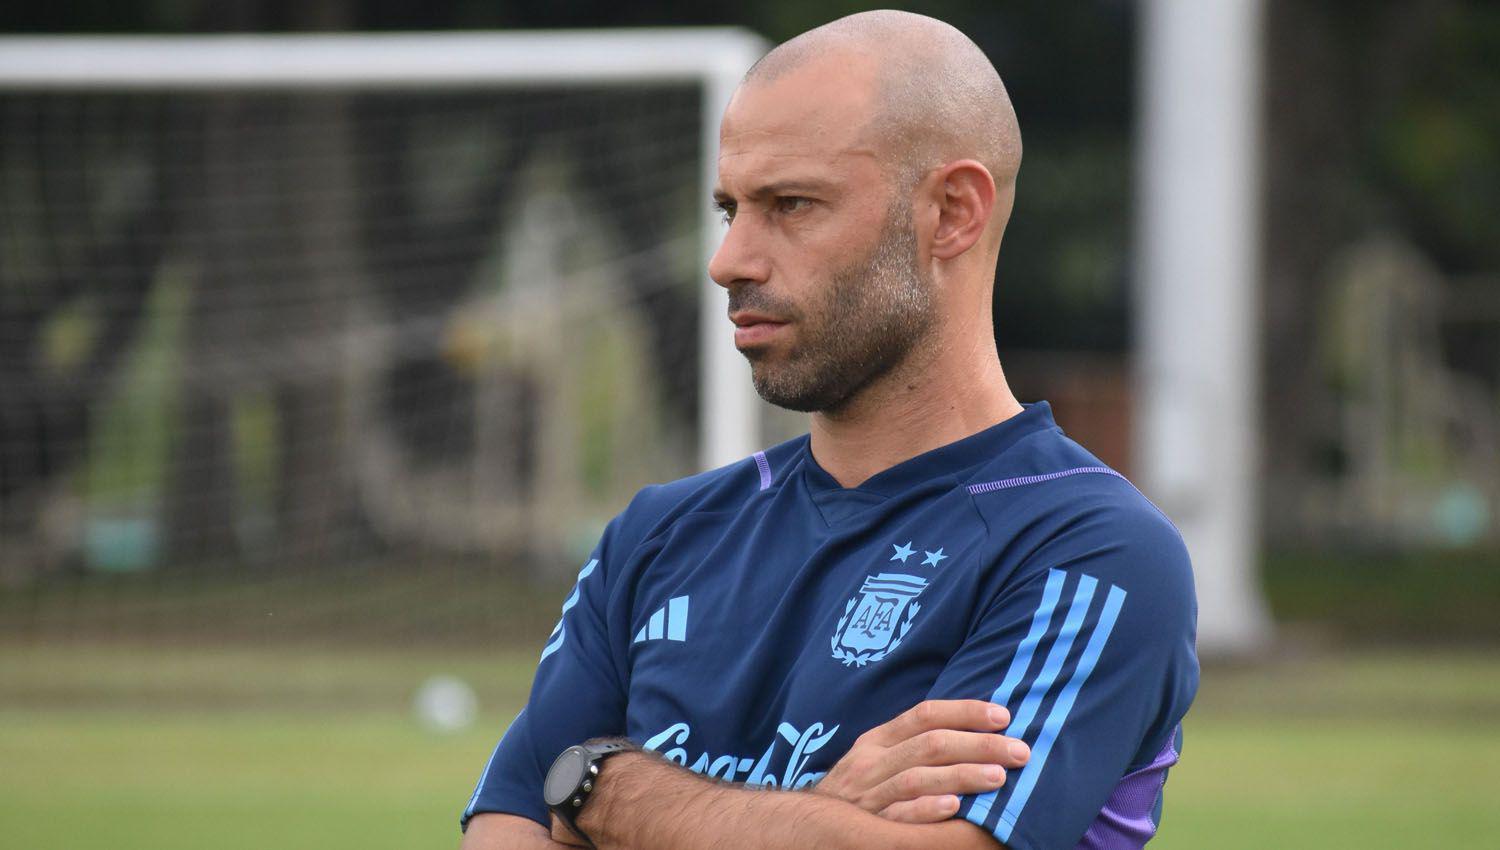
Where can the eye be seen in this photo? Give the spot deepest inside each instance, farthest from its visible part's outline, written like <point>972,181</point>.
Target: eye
<point>726,211</point>
<point>787,204</point>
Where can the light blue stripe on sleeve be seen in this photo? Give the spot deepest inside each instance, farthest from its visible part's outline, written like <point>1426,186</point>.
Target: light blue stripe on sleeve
<point>1077,612</point>
<point>1041,621</point>
<point>559,634</point>
<point>1059,714</point>
<point>488,766</point>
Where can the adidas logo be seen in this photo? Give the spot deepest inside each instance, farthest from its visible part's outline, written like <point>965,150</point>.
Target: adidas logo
<point>669,622</point>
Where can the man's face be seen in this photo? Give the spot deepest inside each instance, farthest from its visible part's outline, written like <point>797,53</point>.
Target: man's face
<point>821,261</point>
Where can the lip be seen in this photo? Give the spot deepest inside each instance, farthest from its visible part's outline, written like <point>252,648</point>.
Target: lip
<point>744,318</point>
<point>754,328</point>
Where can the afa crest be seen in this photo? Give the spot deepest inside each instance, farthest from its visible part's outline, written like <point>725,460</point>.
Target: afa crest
<point>874,624</point>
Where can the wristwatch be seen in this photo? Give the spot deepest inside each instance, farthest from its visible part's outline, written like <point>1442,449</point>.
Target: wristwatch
<point>571,779</point>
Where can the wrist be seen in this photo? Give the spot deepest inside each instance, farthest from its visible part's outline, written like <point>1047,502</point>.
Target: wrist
<point>571,781</point>
<point>633,790</point>
<point>597,817</point>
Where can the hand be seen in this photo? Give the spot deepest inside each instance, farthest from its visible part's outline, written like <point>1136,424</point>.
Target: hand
<point>912,768</point>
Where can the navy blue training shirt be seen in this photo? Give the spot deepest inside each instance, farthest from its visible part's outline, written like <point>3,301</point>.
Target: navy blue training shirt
<point>750,622</point>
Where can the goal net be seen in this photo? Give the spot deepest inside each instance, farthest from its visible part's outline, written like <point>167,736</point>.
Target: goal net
<point>286,305</point>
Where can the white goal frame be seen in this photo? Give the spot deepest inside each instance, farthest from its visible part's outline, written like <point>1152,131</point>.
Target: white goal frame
<point>714,57</point>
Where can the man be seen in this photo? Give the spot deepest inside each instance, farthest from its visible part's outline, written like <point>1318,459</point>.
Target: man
<point>933,551</point>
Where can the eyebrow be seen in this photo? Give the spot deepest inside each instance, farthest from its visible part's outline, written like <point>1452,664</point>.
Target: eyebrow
<point>779,187</point>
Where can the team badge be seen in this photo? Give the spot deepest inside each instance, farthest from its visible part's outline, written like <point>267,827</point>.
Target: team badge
<point>875,622</point>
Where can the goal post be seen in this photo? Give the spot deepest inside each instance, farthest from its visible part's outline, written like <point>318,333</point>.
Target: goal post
<point>1196,317</point>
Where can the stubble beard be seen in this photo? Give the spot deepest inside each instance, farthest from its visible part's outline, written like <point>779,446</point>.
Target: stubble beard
<point>873,315</point>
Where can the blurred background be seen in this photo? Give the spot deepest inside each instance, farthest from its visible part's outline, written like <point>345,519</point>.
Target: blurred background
<point>314,399</point>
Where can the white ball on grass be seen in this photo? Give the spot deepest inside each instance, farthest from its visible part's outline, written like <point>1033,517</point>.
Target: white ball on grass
<point>445,704</point>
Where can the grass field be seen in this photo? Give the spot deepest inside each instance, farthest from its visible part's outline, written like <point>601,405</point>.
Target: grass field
<point>108,746</point>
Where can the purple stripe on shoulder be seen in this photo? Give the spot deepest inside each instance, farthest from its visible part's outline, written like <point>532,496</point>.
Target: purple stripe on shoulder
<point>765,469</point>
<point>1007,483</point>
<point>1125,821</point>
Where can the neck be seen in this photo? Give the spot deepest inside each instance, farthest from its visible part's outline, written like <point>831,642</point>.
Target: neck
<point>949,391</point>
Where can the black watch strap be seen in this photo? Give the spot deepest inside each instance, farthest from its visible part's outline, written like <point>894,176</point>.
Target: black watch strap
<point>572,776</point>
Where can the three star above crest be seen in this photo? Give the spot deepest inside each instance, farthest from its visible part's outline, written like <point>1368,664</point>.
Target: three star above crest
<point>902,552</point>
<point>933,557</point>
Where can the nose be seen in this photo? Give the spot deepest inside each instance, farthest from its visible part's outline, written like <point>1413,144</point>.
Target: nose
<point>740,258</point>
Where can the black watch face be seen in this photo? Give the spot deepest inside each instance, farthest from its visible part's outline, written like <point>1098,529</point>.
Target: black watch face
<point>566,775</point>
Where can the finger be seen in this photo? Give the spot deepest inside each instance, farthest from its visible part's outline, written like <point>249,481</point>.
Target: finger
<point>922,810</point>
<point>945,746</point>
<point>966,714</point>
<point>919,782</point>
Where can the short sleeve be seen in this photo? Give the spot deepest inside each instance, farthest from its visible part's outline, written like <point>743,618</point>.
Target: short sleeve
<point>1090,644</point>
<point>577,694</point>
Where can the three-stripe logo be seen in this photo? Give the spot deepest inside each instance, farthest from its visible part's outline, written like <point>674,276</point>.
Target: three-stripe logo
<point>1083,619</point>
<point>668,623</point>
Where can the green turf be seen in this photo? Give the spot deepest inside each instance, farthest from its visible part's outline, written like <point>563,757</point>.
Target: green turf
<point>1347,783</point>
<point>122,747</point>
<point>86,779</point>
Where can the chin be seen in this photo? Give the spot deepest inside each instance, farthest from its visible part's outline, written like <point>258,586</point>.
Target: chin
<point>803,399</point>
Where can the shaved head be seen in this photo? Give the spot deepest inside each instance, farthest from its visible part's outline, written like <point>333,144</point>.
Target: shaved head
<point>936,96</point>
<point>866,170</point>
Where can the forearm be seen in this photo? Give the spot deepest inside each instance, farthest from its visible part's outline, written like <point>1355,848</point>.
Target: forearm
<point>642,802</point>
<point>507,832</point>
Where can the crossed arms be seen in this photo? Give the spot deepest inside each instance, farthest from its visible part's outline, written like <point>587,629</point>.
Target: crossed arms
<point>897,787</point>
<point>1120,676</point>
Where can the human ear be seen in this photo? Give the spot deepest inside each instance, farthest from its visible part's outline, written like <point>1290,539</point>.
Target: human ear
<point>964,193</point>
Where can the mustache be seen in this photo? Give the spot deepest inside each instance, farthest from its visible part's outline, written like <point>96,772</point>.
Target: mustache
<point>756,299</point>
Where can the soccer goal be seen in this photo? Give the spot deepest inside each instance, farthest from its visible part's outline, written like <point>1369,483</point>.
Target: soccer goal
<point>298,298</point>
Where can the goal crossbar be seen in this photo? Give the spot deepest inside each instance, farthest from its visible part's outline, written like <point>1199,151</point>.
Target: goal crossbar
<point>381,61</point>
